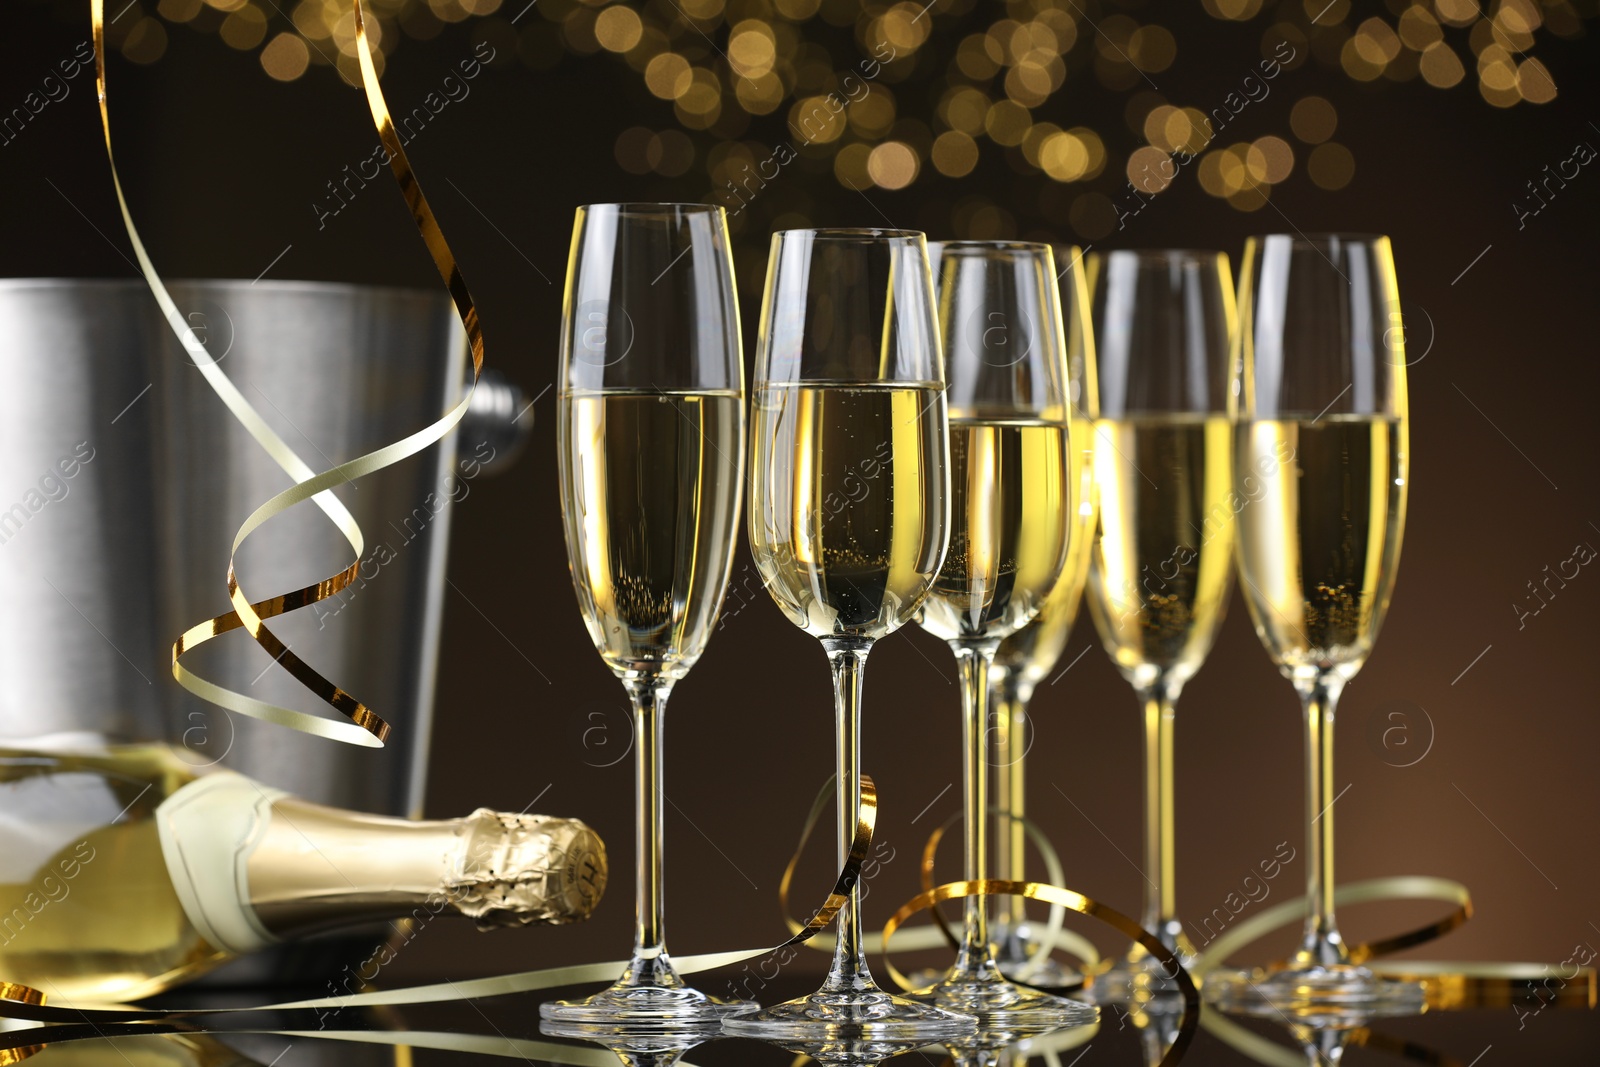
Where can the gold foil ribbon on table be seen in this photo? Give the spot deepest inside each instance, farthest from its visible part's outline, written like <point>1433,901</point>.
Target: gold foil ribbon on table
<point>1447,985</point>
<point>1451,986</point>
<point>929,899</point>
<point>926,937</point>
<point>1055,936</point>
<point>1266,1051</point>
<point>364,727</point>
<point>1413,887</point>
<point>18,1048</point>
<point>1272,1054</point>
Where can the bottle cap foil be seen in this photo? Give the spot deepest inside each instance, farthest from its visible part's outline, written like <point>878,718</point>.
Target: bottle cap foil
<point>521,869</point>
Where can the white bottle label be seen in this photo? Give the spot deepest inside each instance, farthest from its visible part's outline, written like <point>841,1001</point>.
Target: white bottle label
<point>208,830</point>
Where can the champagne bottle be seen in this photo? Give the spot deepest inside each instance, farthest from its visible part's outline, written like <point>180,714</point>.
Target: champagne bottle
<point>124,871</point>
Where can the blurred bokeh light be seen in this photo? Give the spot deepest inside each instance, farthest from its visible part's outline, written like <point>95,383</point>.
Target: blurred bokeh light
<point>886,95</point>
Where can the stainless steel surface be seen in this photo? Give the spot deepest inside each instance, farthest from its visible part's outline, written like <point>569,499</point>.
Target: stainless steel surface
<point>98,582</point>
<point>78,647</point>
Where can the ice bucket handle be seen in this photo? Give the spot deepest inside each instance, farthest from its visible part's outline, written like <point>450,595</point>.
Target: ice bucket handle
<point>501,416</point>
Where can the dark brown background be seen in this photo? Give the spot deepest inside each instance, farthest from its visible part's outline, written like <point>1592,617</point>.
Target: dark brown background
<point>222,165</point>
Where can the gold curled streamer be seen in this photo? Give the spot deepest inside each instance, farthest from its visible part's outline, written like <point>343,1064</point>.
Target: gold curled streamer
<point>1451,986</point>
<point>930,851</point>
<point>14,1043</point>
<point>364,726</point>
<point>19,993</point>
<point>1408,887</point>
<point>1272,1054</point>
<point>1055,938</point>
<point>1447,985</point>
<point>929,936</point>
<point>528,1049</point>
<point>24,1002</point>
<point>817,807</point>
<point>1054,894</point>
<point>15,1046</point>
<point>825,942</point>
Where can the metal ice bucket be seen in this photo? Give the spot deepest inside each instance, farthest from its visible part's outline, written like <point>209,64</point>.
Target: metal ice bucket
<point>123,479</point>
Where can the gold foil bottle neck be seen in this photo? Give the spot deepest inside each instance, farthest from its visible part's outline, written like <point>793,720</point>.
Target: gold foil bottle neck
<point>515,870</point>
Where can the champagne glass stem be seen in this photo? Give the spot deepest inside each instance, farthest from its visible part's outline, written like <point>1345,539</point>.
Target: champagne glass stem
<point>1160,901</point>
<point>973,660</point>
<point>649,965</point>
<point>1010,786</point>
<point>1322,945</point>
<point>848,658</point>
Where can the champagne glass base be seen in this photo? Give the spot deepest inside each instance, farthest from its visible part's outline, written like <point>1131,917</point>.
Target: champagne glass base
<point>1015,949</point>
<point>851,1051</point>
<point>999,1005</point>
<point>1143,983</point>
<point>850,1015</point>
<point>655,1046</point>
<point>1047,974</point>
<point>630,1008</point>
<point>981,1046</point>
<point>1328,994</point>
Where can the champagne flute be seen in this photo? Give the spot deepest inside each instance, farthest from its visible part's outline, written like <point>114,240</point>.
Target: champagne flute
<point>1321,466</point>
<point>1011,513</point>
<point>849,518</point>
<point>1158,575</point>
<point>1027,657</point>
<point>651,434</point>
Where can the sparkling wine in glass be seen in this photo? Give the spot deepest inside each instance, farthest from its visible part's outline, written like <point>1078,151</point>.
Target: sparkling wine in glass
<point>651,438</point>
<point>1028,656</point>
<point>849,518</point>
<point>1011,511</point>
<point>1321,465</point>
<point>1159,571</point>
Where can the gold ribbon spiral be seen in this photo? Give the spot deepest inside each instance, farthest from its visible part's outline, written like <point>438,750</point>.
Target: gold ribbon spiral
<point>1054,937</point>
<point>1067,898</point>
<point>364,726</point>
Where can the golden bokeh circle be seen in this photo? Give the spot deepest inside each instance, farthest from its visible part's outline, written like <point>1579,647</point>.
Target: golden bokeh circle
<point>955,154</point>
<point>1150,169</point>
<point>850,166</point>
<point>892,165</point>
<point>286,57</point>
<point>1331,166</point>
<point>244,29</point>
<point>1007,122</point>
<point>668,76</point>
<point>1313,119</point>
<point>1276,156</point>
<point>1441,67</point>
<point>618,28</point>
